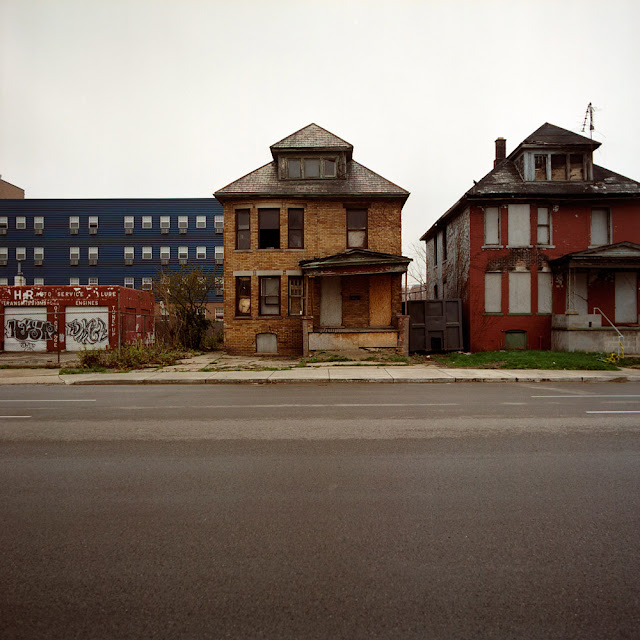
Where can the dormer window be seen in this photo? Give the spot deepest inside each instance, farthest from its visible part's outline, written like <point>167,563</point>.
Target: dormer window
<point>558,167</point>
<point>311,168</point>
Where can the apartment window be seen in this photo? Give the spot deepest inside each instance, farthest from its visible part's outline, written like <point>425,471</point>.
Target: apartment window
<point>243,229</point>
<point>74,224</point>
<point>129,223</point>
<point>147,283</point>
<point>183,254</point>
<point>4,282</point>
<point>147,253</point>
<point>357,228</point>
<point>147,222</point>
<point>218,314</point>
<point>165,224</point>
<point>493,292</point>
<point>519,225</point>
<point>93,256</point>
<point>183,223</point>
<point>219,286</point>
<point>38,256</point>
<point>38,224</point>
<point>4,225</point>
<point>165,255</point>
<point>219,254</point>
<point>296,228</point>
<point>544,226</point>
<point>218,223</point>
<point>21,222</point>
<point>311,168</point>
<point>519,292</point>
<point>21,254</point>
<point>93,224</point>
<point>38,282</point>
<point>74,256</point>
<point>600,227</point>
<point>268,228</point>
<point>201,253</point>
<point>243,296</point>
<point>93,282</point>
<point>270,296</point>
<point>4,256</point>
<point>201,222</point>
<point>296,296</point>
<point>129,282</point>
<point>74,282</point>
<point>129,254</point>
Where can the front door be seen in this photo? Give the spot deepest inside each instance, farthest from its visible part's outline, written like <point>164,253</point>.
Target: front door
<point>626,297</point>
<point>330,301</point>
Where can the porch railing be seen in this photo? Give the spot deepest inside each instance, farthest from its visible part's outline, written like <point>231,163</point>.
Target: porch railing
<point>620,336</point>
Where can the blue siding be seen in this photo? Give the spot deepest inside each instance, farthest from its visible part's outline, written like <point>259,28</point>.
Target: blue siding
<point>110,239</point>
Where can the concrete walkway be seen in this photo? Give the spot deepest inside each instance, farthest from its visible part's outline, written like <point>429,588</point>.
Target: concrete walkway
<point>238,370</point>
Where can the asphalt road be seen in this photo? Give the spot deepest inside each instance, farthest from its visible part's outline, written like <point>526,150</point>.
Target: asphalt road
<point>329,511</point>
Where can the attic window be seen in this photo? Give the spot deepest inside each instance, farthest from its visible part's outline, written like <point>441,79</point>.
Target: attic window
<point>558,167</point>
<point>313,168</point>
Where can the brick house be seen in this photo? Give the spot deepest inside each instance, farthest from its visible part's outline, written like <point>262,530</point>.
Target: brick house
<point>544,250</point>
<point>312,252</point>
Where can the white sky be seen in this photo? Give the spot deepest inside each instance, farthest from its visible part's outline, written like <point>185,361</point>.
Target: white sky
<point>177,98</point>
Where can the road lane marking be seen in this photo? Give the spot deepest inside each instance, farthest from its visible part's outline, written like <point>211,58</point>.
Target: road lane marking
<point>293,406</point>
<point>12,417</point>
<point>593,396</point>
<point>612,411</point>
<point>29,400</point>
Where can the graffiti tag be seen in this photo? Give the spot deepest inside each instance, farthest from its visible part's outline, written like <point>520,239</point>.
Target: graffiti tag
<point>28,329</point>
<point>87,330</point>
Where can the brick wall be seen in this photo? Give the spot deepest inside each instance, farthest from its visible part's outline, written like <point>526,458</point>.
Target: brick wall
<point>10,191</point>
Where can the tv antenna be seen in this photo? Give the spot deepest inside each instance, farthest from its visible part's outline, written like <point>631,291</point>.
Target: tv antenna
<point>589,116</point>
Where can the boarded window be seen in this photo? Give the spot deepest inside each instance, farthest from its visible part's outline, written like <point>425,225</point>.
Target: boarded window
<point>519,292</point>
<point>576,171</point>
<point>540,167</point>
<point>243,229</point>
<point>492,226</point>
<point>294,168</point>
<point>357,228</point>
<point>519,225</point>
<point>243,296</point>
<point>270,296</point>
<point>600,225</point>
<point>269,228</point>
<point>544,292</point>
<point>296,296</point>
<point>558,166</point>
<point>492,292</point>
<point>266,343</point>
<point>544,226</point>
<point>296,228</point>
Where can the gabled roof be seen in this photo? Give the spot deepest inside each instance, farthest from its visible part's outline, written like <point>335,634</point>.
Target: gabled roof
<point>311,137</point>
<point>614,255</point>
<point>359,181</point>
<point>550,135</point>
<point>357,261</point>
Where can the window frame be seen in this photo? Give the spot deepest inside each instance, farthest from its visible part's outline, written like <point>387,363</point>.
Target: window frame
<point>218,253</point>
<point>21,251</point>
<point>291,228</point>
<point>296,296</point>
<point>4,223</point>
<point>74,281</point>
<point>129,253</point>
<point>74,223</point>
<point>147,222</point>
<point>608,220</point>
<point>165,253</point>
<point>263,214</point>
<point>129,222</point>
<point>38,255</point>
<point>21,222</point>
<point>130,282</point>
<point>241,239</point>
<point>350,212</point>
<point>262,297</point>
<point>93,222</point>
<point>547,226</point>
<point>241,294</point>
<point>183,253</point>
<point>147,252</point>
<point>93,253</point>
<point>38,223</point>
<point>324,173</point>
<point>165,222</point>
<point>183,222</point>
<point>201,252</point>
<point>201,222</point>
<point>93,281</point>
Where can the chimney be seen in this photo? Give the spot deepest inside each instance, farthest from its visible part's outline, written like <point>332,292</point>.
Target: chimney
<point>501,150</point>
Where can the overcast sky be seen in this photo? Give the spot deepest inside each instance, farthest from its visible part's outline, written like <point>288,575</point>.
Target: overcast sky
<point>177,98</point>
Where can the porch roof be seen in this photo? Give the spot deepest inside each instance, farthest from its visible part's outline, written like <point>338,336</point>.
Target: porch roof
<point>611,256</point>
<point>355,262</point>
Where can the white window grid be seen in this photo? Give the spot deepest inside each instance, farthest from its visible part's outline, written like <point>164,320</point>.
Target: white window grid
<point>129,253</point>
<point>93,282</point>
<point>201,253</point>
<point>21,254</point>
<point>74,282</point>
<point>129,282</point>
<point>147,253</point>
<point>201,222</point>
<point>147,222</point>
<point>38,223</point>
<point>38,282</point>
<point>21,222</point>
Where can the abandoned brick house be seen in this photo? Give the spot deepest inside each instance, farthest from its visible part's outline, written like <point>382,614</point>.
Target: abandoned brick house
<point>312,252</point>
<point>544,250</point>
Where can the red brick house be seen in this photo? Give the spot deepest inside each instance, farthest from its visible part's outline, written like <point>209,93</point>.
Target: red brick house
<point>544,250</point>
<point>312,252</point>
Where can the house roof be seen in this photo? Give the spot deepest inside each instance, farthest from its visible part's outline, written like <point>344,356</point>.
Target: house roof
<point>610,255</point>
<point>359,181</point>
<point>358,261</point>
<point>550,134</point>
<point>311,137</point>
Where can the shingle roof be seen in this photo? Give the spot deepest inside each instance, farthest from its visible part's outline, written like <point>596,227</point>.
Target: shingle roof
<point>359,181</point>
<point>549,134</point>
<point>312,137</point>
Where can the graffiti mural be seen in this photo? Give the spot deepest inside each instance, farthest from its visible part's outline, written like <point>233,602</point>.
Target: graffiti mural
<point>87,330</point>
<point>28,329</point>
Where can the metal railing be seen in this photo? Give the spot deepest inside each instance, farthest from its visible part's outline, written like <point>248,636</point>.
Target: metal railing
<point>620,336</point>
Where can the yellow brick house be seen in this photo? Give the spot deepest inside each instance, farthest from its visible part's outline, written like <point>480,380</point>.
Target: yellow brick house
<point>313,252</point>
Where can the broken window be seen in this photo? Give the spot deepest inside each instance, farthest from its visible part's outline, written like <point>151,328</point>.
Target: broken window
<point>492,226</point>
<point>544,226</point>
<point>576,170</point>
<point>540,167</point>
<point>270,296</point>
<point>600,227</point>
<point>243,296</point>
<point>243,229</point>
<point>269,228</point>
<point>558,166</point>
<point>296,228</point>
<point>357,228</point>
<point>296,296</point>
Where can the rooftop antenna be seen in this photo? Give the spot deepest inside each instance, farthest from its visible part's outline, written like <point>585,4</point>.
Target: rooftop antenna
<point>589,116</point>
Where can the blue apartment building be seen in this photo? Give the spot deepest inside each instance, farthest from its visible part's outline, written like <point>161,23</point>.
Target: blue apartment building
<point>121,241</point>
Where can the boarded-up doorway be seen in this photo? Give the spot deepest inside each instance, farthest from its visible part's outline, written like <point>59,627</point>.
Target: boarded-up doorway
<point>380,301</point>
<point>330,301</point>
<point>626,297</point>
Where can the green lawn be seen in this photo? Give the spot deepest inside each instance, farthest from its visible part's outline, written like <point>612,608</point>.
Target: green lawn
<point>528,360</point>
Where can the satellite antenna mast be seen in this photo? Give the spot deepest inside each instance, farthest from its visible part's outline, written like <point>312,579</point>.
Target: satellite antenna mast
<point>589,116</point>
